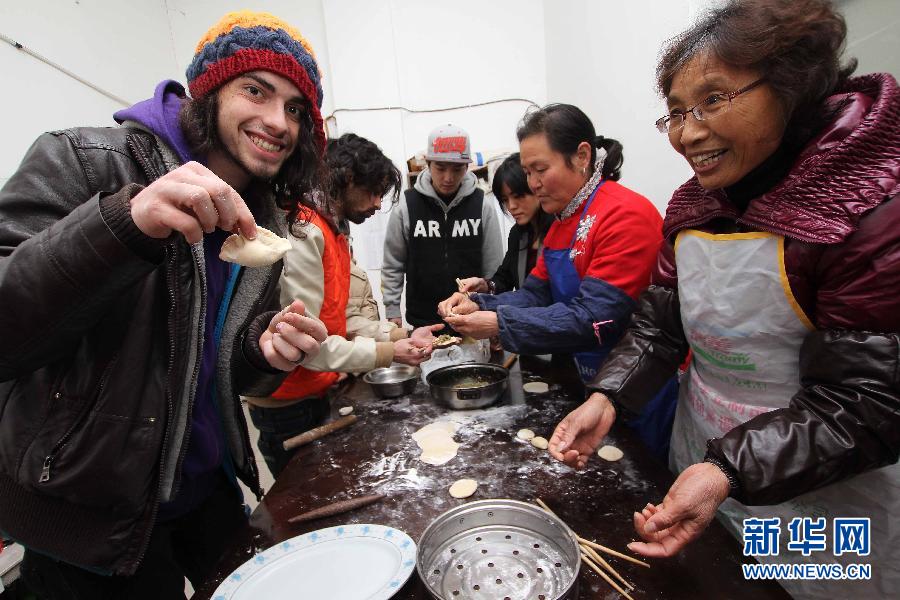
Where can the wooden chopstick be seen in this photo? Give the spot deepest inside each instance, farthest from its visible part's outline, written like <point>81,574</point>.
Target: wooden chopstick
<point>602,562</point>
<point>613,552</point>
<point>586,547</point>
<point>616,586</point>
<point>459,283</point>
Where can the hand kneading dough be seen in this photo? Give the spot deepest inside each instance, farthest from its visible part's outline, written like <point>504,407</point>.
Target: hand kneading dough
<point>345,410</point>
<point>536,387</point>
<point>463,488</point>
<point>525,434</point>
<point>540,442</point>
<point>610,453</point>
<point>436,442</point>
<point>265,250</point>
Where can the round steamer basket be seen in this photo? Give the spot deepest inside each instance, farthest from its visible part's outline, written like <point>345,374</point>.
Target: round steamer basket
<point>499,549</point>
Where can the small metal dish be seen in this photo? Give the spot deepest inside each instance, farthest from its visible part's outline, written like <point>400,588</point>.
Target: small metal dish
<point>393,381</point>
<point>469,385</point>
<point>499,549</point>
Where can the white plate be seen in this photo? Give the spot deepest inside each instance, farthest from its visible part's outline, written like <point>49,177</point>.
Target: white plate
<point>350,562</point>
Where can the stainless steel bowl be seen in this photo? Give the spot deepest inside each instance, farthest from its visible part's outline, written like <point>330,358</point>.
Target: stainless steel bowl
<point>393,381</point>
<point>470,385</point>
<point>499,549</point>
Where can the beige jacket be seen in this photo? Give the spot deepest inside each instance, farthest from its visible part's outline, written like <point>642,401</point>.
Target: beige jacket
<point>368,345</point>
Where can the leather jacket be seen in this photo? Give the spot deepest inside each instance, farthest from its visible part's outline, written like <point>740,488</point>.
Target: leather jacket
<point>99,352</point>
<point>839,211</point>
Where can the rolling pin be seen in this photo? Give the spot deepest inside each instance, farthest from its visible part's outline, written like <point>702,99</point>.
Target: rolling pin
<point>509,361</point>
<point>336,508</point>
<point>314,434</point>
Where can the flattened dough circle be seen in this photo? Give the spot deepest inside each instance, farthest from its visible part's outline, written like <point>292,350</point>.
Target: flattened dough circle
<point>539,442</point>
<point>345,410</point>
<point>525,434</point>
<point>610,453</point>
<point>536,387</point>
<point>463,488</point>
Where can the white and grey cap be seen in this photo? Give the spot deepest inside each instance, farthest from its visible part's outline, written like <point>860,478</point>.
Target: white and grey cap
<point>449,143</point>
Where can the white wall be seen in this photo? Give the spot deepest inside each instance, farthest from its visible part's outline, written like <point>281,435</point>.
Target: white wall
<point>80,37</point>
<point>602,57</point>
<point>425,56</point>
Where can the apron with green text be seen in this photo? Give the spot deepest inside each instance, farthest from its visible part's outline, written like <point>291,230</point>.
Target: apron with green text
<point>745,329</point>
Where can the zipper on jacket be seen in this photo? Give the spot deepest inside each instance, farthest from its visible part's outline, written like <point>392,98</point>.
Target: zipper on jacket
<point>82,417</point>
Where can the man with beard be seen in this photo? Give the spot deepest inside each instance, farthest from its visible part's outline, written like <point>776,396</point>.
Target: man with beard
<point>317,270</point>
<point>126,339</point>
<point>442,231</point>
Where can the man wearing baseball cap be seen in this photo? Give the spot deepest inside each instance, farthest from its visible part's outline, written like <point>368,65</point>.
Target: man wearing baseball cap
<point>127,340</point>
<point>441,231</point>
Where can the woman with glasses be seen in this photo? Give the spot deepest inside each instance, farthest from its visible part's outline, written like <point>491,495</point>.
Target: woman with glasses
<point>510,187</point>
<point>780,270</point>
<point>596,257</point>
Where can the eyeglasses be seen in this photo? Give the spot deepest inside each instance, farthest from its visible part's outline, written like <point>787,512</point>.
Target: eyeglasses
<point>708,108</point>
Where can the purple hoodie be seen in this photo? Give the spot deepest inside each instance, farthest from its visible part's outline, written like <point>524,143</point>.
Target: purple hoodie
<point>205,452</point>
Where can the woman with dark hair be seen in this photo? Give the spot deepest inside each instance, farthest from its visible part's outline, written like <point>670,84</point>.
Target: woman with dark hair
<point>510,187</point>
<point>780,269</point>
<point>597,255</point>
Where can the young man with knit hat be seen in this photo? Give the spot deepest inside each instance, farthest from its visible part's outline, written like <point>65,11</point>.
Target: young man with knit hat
<point>317,271</point>
<point>441,232</point>
<point>126,339</point>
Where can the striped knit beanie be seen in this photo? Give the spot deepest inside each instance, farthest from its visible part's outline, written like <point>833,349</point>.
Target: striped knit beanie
<point>247,41</point>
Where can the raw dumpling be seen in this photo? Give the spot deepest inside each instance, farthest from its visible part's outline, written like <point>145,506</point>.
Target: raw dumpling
<point>265,250</point>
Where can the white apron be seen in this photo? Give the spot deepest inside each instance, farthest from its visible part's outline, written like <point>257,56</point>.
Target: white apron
<point>745,329</point>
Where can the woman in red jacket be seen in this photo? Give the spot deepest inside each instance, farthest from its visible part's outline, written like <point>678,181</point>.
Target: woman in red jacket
<point>780,270</point>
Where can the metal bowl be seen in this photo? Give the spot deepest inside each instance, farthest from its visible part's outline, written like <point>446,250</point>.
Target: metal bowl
<point>499,549</point>
<point>470,385</point>
<point>394,381</point>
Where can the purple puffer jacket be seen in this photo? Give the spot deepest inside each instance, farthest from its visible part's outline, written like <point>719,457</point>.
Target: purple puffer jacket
<point>839,213</point>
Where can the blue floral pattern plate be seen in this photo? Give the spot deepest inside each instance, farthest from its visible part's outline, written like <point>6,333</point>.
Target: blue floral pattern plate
<point>350,562</point>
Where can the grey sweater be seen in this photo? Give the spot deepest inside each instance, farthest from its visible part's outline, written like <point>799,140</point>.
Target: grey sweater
<point>396,240</point>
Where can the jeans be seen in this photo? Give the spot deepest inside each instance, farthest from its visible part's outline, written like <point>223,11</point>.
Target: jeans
<point>189,546</point>
<point>278,424</point>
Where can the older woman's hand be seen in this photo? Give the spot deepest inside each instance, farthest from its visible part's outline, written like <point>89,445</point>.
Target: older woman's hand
<point>581,431</point>
<point>457,304</point>
<point>684,514</point>
<point>480,325</point>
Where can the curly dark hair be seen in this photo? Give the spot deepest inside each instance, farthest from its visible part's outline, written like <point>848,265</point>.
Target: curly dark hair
<point>299,176</point>
<point>795,45</point>
<point>566,126</point>
<point>354,159</point>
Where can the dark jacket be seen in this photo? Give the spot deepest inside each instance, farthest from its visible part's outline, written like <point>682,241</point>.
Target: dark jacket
<point>101,331</point>
<point>839,212</point>
<point>512,271</point>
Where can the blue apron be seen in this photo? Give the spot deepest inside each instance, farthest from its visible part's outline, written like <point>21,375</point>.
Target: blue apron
<point>654,425</point>
<point>564,285</point>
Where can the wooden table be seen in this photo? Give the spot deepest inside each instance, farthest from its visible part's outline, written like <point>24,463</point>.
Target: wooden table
<point>377,453</point>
